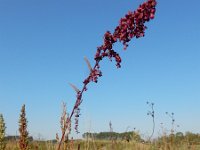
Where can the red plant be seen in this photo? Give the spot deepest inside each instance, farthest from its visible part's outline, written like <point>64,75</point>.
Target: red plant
<point>130,26</point>
<point>23,138</point>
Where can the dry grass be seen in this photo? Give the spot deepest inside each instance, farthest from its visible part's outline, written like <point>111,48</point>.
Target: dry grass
<point>105,145</point>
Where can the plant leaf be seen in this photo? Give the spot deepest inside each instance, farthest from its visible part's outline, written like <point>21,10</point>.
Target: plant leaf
<point>74,87</point>
<point>88,63</point>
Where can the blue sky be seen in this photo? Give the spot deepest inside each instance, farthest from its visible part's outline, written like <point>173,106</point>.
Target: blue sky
<point>42,46</point>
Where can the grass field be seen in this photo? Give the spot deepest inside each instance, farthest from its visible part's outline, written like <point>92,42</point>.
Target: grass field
<point>106,145</point>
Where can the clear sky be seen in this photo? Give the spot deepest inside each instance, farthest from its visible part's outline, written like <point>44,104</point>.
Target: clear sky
<point>42,46</point>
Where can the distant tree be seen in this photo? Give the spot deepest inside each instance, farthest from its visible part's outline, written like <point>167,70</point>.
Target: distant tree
<point>192,138</point>
<point>179,134</point>
<point>2,133</point>
<point>23,139</point>
<point>132,135</point>
<point>179,137</point>
<point>14,138</point>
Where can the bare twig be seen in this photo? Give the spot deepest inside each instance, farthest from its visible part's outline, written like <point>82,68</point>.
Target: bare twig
<point>152,114</point>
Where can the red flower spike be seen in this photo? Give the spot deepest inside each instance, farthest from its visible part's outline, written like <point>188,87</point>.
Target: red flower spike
<point>130,26</point>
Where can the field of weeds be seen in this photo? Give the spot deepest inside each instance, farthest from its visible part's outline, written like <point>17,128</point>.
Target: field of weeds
<point>105,145</point>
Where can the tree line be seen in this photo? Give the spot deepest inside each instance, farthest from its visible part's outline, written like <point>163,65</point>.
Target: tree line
<point>132,135</point>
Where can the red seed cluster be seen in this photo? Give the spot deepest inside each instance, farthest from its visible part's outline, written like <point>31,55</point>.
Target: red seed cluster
<point>94,74</point>
<point>130,26</point>
<point>106,50</point>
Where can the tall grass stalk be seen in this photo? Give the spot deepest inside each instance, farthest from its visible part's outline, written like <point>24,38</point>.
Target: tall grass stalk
<point>23,123</point>
<point>152,114</point>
